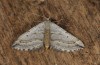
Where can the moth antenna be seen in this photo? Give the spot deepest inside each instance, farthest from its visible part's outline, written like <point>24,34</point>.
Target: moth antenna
<point>45,18</point>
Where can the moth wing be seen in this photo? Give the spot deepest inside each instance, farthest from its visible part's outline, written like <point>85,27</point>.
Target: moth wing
<point>32,39</point>
<point>62,40</point>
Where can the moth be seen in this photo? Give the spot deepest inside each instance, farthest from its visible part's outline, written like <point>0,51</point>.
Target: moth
<point>48,35</point>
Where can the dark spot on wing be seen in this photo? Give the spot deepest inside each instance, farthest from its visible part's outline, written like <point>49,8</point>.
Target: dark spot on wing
<point>79,46</point>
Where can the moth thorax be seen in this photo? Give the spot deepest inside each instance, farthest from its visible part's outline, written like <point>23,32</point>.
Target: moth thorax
<point>47,25</point>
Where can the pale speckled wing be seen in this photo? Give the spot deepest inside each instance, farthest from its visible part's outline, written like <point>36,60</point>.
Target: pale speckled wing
<point>32,39</point>
<point>62,40</point>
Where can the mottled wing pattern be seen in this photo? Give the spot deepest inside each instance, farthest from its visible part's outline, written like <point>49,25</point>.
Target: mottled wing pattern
<point>32,39</point>
<point>62,40</point>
